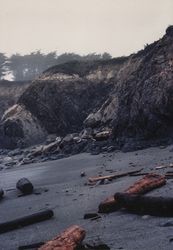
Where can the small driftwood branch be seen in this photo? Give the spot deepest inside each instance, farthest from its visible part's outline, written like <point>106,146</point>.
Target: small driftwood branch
<point>67,240</point>
<point>25,221</point>
<point>113,176</point>
<point>157,206</point>
<point>164,166</point>
<point>144,185</point>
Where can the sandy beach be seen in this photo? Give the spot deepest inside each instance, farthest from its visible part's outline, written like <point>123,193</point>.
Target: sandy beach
<point>59,186</point>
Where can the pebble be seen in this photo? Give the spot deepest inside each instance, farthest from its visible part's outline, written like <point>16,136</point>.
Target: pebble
<point>82,174</point>
<point>145,217</point>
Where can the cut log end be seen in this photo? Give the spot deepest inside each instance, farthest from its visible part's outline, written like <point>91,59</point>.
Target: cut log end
<point>67,240</point>
<point>109,205</point>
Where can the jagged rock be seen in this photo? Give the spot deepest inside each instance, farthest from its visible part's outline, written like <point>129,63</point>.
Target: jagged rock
<point>104,135</point>
<point>169,30</point>
<point>86,133</point>
<point>15,152</point>
<point>36,152</point>
<point>10,92</point>
<point>52,147</point>
<point>20,125</point>
<point>51,138</point>
<point>7,159</point>
<point>93,120</point>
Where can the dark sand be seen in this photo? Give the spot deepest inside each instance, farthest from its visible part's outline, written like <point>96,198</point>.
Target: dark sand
<point>70,199</point>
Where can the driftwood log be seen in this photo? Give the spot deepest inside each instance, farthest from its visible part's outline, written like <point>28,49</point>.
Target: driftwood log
<point>1,193</point>
<point>113,176</point>
<point>157,206</point>
<point>25,186</point>
<point>67,240</point>
<point>144,185</point>
<point>25,221</point>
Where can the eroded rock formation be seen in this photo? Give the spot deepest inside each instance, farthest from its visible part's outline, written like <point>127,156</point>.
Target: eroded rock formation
<point>132,95</point>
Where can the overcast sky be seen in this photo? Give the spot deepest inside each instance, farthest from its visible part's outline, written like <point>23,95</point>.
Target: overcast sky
<point>119,27</point>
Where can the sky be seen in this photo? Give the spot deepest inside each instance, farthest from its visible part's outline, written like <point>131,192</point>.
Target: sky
<point>120,27</point>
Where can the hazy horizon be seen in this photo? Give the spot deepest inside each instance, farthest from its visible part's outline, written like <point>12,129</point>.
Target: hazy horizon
<point>119,27</point>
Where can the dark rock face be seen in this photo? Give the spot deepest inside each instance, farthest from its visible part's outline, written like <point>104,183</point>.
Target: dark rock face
<point>145,97</point>
<point>61,107</point>
<point>142,99</point>
<point>14,129</point>
<point>60,100</point>
<point>131,95</point>
<point>9,93</point>
<point>169,31</point>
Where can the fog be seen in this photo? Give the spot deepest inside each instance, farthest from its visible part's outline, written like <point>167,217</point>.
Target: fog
<point>119,27</point>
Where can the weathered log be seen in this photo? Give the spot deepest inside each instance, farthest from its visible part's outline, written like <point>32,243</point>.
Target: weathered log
<point>156,206</point>
<point>25,221</point>
<point>67,240</point>
<point>144,185</point>
<point>25,186</point>
<point>113,176</point>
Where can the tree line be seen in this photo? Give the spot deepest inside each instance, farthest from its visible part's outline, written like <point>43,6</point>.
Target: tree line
<point>29,66</point>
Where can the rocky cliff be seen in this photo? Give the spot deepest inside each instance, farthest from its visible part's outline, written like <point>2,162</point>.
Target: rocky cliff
<point>131,95</point>
<point>141,103</point>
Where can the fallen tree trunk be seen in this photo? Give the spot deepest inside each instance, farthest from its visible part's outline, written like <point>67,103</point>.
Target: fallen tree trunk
<point>144,185</point>
<point>25,221</point>
<point>113,176</point>
<point>25,186</point>
<point>157,206</point>
<point>67,240</point>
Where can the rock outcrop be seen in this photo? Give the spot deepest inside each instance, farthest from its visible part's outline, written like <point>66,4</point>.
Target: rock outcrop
<point>22,127</point>
<point>142,100</point>
<point>131,95</point>
<point>9,93</point>
<point>60,100</point>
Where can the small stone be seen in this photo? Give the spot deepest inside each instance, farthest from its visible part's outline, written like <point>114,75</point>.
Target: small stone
<point>91,216</point>
<point>37,193</point>
<point>167,224</point>
<point>25,186</point>
<point>7,159</point>
<point>106,181</point>
<point>145,217</point>
<point>82,174</point>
